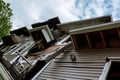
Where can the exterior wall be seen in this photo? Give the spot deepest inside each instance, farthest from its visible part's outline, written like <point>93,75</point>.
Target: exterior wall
<point>89,65</point>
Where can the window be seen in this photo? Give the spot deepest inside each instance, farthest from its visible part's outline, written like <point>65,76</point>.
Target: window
<point>114,71</point>
<point>111,70</point>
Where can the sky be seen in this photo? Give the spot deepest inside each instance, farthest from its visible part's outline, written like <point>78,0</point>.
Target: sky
<point>27,12</point>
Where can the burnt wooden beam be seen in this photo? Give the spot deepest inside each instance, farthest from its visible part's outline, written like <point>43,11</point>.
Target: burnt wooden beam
<point>52,55</point>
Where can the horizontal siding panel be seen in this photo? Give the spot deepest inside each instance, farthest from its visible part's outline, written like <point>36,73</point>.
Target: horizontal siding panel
<point>87,66</point>
<point>71,76</point>
<point>82,73</point>
<point>47,78</point>
<point>44,77</point>
<point>75,69</point>
<point>79,61</point>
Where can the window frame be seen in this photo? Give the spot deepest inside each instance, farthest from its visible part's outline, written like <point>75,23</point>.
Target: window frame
<point>107,66</point>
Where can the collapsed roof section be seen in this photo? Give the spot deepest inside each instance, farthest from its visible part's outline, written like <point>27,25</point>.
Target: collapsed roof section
<point>21,32</point>
<point>12,39</point>
<point>51,23</point>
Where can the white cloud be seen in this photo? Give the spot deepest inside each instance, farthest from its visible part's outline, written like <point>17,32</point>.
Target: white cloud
<point>88,8</point>
<point>28,12</point>
<point>16,23</point>
<point>116,9</point>
<point>94,8</point>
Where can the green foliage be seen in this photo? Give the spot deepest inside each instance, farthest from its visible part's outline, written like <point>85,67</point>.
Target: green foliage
<point>5,15</point>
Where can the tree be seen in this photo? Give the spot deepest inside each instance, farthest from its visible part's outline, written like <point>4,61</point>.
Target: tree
<point>5,17</point>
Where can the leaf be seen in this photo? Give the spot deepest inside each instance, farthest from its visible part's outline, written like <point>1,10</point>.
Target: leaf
<point>5,16</point>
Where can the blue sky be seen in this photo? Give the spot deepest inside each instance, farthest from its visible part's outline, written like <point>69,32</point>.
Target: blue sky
<point>27,12</point>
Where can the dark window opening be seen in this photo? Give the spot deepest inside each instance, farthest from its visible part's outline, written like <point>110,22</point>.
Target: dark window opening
<point>114,72</point>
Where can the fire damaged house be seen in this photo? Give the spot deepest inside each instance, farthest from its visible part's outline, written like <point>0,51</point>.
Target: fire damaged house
<point>80,50</point>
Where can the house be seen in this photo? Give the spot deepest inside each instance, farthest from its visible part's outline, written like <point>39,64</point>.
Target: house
<point>92,53</point>
<point>93,56</point>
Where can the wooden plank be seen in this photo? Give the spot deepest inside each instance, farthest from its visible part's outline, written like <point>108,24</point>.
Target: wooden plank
<point>77,61</point>
<point>64,39</point>
<point>79,64</point>
<point>118,31</point>
<point>44,78</point>
<point>86,57</point>
<point>89,43</point>
<point>53,54</point>
<point>72,76</point>
<point>57,77</point>
<point>74,41</point>
<point>73,71</point>
<point>47,78</point>
<point>97,74</point>
<point>79,75</point>
<point>103,40</point>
